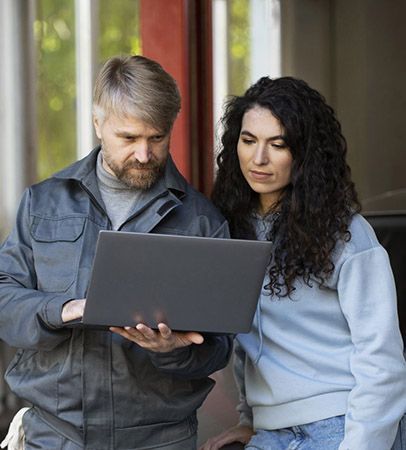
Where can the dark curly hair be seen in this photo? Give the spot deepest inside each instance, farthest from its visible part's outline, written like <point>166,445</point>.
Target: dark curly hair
<point>315,210</point>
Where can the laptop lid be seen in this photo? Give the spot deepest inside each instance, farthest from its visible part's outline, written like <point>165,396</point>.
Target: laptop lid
<point>189,283</point>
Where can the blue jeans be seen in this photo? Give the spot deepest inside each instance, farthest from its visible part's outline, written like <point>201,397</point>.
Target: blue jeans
<point>325,434</point>
<point>400,441</point>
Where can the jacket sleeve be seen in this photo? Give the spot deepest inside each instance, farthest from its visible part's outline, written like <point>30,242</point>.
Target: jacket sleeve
<point>29,319</point>
<point>239,366</point>
<point>378,399</point>
<point>196,361</point>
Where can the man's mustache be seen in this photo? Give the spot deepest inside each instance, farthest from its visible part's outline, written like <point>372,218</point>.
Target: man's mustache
<point>137,165</point>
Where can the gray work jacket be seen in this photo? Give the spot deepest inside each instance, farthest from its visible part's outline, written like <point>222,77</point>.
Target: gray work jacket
<point>118,395</point>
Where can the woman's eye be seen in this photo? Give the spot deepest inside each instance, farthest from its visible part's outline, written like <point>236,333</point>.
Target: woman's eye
<point>248,141</point>
<point>279,145</point>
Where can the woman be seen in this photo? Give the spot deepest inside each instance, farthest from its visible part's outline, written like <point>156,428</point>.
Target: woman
<point>323,366</point>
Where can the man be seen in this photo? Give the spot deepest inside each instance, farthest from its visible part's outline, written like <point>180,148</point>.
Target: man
<point>130,388</point>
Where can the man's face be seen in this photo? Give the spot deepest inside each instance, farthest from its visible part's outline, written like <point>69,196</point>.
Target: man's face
<point>133,151</point>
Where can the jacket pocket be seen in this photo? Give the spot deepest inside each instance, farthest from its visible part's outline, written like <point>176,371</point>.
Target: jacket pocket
<point>156,435</point>
<point>20,357</point>
<point>57,247</point>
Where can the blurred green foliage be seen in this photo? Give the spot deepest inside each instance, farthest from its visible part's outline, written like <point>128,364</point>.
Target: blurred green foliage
<point>238,45</point>
<point>54,33</point>
<point>119,28</point>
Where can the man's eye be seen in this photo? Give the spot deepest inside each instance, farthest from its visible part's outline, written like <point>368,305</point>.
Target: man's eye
<point>157,138</point>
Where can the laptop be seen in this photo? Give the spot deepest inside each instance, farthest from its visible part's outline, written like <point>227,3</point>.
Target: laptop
<point>190,283</point>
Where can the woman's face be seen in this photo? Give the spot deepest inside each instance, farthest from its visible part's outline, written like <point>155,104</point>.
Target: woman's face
<point>265,160</point>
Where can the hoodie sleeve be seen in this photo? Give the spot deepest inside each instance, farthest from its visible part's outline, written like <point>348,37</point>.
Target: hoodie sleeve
<point>239,366</point>
<point>378,399</point>
<point>29,319</point>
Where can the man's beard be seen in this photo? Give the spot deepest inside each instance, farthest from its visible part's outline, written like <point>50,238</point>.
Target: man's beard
<point>143,178</point>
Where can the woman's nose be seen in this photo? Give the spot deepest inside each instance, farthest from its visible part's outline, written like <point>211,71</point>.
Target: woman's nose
<point>261,156</point>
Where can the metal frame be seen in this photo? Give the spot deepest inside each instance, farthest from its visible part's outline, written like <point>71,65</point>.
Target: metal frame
<point>220,66</point>
<point>85,11</point>
<point>17,104</point>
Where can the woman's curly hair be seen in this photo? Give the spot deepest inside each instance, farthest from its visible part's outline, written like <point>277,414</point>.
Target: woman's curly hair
<point>315,210</point>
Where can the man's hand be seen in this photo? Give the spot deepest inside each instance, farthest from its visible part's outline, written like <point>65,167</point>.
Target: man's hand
<point>73,310</point>
<point>163,340</point>
<point>238,433</point>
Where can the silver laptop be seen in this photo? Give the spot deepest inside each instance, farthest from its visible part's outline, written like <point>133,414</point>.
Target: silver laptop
<point>190,283</point>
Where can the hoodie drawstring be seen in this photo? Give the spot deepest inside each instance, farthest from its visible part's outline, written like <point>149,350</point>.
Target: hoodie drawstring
<point>261,340</point>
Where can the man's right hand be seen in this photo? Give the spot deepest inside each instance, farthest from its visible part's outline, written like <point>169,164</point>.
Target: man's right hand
<point>73,309</point>
<point>238,433</point>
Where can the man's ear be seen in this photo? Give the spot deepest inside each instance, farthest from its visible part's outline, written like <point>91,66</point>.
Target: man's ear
<point>97,125</point>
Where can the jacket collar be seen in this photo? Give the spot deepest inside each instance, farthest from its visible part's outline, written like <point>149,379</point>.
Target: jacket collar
<point>85,169</point>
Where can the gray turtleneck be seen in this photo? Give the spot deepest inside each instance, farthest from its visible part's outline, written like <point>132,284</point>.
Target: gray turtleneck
<point>119,199</point>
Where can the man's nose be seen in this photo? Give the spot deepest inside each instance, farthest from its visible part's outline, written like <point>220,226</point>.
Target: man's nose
<point>142,152</point>
<point>261,156</point>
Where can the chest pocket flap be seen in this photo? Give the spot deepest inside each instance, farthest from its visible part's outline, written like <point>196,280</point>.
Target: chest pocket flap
<point>50,230</point>
<point>57,246</point>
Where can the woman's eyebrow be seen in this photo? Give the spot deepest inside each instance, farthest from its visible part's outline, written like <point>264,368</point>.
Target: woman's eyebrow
<point>272,138</point>
<point>278,137</point>
<point>247,133</point>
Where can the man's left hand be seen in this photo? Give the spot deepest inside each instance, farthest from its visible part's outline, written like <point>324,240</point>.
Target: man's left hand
<point>162,340</point>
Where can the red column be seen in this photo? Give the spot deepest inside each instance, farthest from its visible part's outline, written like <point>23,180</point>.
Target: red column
<point>201,79</point>
<point>165,38</point>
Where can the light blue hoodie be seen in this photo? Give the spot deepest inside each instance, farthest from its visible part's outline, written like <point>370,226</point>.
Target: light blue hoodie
<point>330,351</point>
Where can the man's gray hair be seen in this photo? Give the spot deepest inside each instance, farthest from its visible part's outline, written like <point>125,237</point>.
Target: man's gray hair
<point>135,86</point>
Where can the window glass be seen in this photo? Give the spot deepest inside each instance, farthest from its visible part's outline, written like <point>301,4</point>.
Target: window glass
<point>119,28</point>
<point>238,46</point>
<point>54,32</point>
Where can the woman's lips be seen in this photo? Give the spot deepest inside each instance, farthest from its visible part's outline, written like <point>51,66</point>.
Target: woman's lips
<point>256,175</point>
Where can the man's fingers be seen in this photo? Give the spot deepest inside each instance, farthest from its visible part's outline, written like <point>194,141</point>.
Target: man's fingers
<point>140,333</point>
<point>145,331</point>
<point>134,332</point>
<point>163,340</point>
<point>128,333</point>
<point>73,309</point>
<point>121,332</point>
<point>195,338</point>
<point>165,331</point>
